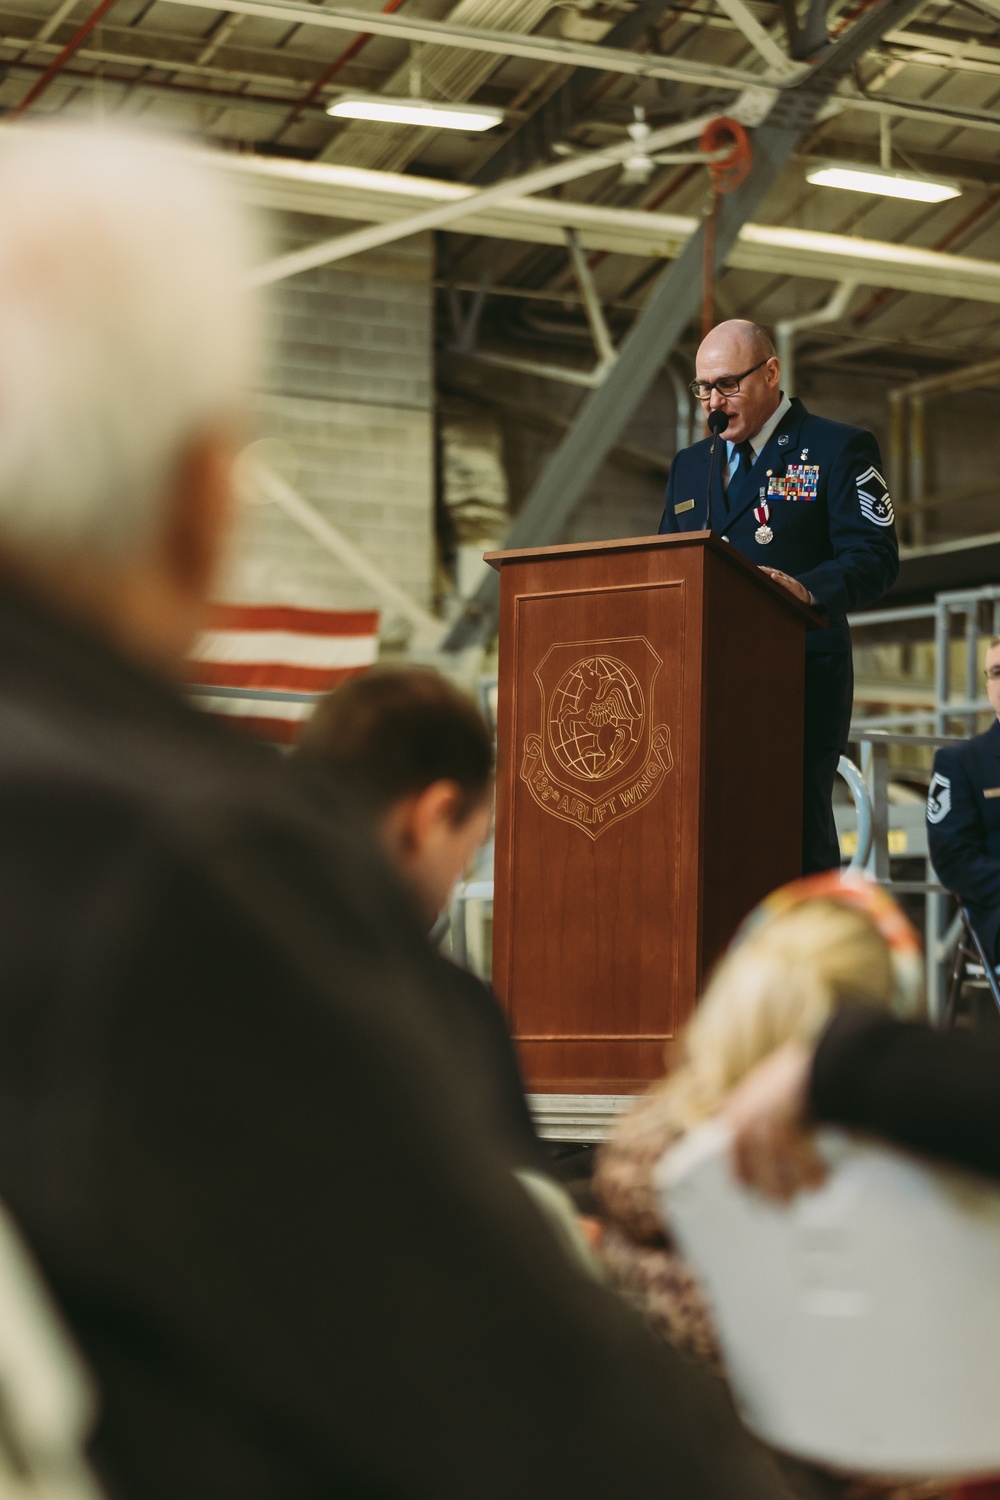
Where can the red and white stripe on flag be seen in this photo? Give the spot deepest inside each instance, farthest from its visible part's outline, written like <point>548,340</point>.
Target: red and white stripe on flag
<point>278,649</point>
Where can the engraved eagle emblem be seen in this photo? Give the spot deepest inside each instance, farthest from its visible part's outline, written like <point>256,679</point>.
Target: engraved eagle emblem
<point>597,722</point>
<point>597,756</point>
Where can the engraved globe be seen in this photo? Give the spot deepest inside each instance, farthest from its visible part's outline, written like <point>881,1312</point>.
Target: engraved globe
<point>595,717</point>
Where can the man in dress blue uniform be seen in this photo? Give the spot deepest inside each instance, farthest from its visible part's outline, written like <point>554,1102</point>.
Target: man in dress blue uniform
<point>805,499</point>
<point>963,817</point>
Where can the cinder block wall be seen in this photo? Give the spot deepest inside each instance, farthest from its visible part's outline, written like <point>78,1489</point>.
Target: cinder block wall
<point>345,415</point>
<point>626,498</point>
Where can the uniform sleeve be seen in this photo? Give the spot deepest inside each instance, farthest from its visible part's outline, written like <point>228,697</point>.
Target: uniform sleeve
<point>865,558</point>
<point>956,835</point>
<point>668,521</point>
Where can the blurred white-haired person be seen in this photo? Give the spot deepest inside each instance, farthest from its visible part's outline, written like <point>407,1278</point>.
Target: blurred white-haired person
<point>228,1124</point>
<point>126,351</point>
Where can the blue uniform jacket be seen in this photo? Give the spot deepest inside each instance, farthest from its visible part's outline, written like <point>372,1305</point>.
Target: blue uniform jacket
<point>830,513</point>
<point>963,827</point>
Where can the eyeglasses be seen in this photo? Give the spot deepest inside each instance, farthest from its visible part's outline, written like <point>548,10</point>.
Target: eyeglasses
<point>726,385</point>
<point>992,673</point>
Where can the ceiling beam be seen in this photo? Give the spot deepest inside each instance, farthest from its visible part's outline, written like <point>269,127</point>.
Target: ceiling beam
<point>847,97</point>
<point>989,8</point>
<point>543,49</point>
<point>118,89</point>
<point>143,58</point>
<point>570,169</point>
<point>354,193</point>
<point>906,268</point>
<point>533,140</point>
<point>759,38</point>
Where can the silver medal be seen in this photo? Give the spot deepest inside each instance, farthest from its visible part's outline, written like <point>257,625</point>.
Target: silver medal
<point>763,535</point>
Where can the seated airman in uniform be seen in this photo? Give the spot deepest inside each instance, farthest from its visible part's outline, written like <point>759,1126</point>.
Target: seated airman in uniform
<point>963,817</point>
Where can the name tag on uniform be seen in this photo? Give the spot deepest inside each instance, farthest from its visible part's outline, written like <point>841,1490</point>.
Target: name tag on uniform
<point>991,791</point>
<point>684,505</point>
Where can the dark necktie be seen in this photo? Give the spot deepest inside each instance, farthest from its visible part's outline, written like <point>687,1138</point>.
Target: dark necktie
<point>741,484</point>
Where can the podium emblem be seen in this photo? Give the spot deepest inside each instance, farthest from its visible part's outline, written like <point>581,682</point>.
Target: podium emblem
<point>599,756</point>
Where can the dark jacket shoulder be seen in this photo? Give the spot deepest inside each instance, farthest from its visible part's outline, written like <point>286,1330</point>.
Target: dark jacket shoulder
<point>488,1060</point>
<point>927,1090</point>
<point>230,1127</point>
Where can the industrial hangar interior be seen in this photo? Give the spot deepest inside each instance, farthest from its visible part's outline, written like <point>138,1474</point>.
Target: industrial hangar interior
<point>493,237</point>
<point>484,334</point>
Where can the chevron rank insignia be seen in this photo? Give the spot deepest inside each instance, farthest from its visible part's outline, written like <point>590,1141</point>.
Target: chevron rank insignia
<point>873,495</point>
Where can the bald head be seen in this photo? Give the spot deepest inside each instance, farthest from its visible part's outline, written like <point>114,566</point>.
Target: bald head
<point>741,339</point>
<point>741,348</point>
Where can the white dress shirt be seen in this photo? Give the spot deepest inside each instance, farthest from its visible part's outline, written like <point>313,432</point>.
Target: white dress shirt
<point>757,442</point>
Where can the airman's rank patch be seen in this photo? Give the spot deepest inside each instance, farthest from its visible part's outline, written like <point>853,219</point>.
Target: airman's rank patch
<point>938,798</point>
<point>873,496</point>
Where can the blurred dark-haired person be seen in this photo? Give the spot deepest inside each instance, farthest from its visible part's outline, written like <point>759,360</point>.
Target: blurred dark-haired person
<point>229,1125</point>
<point>415,754</point>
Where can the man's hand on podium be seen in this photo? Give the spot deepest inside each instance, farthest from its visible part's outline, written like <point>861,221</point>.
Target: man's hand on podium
<point>793,586</point>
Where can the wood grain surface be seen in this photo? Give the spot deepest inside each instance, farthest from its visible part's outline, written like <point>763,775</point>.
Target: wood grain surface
<point>649,791</point>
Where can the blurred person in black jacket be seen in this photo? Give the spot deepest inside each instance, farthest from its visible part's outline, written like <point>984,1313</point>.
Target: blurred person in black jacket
<point>228,1121</point>
<point>933,1092</point>
<point>416,757</point>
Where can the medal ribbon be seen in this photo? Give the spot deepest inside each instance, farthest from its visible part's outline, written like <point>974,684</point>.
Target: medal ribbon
<point>762,513</point>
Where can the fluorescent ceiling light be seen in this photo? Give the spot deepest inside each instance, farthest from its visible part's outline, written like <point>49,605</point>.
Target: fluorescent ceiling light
<point>415,112</point>
<point>889,184</point>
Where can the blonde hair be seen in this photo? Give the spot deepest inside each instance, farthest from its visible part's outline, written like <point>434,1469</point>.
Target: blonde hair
<point>782,983</point>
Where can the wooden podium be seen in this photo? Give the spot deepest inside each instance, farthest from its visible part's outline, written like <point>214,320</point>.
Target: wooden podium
<point>649,790</point>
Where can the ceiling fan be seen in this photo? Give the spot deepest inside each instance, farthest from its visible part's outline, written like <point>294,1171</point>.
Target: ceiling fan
<point>639,165</point>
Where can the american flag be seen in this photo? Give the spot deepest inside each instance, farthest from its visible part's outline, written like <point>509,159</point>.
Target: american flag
<point>271,661</point>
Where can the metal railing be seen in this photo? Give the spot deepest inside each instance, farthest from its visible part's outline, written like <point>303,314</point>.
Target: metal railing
<point>967,603</point>
<point>971,606</point>
<point>858,788</point>
<point>957,701</point>
<point>906,826</point>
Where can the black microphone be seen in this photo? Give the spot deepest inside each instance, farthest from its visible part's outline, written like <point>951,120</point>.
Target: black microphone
<point>718,421</point>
